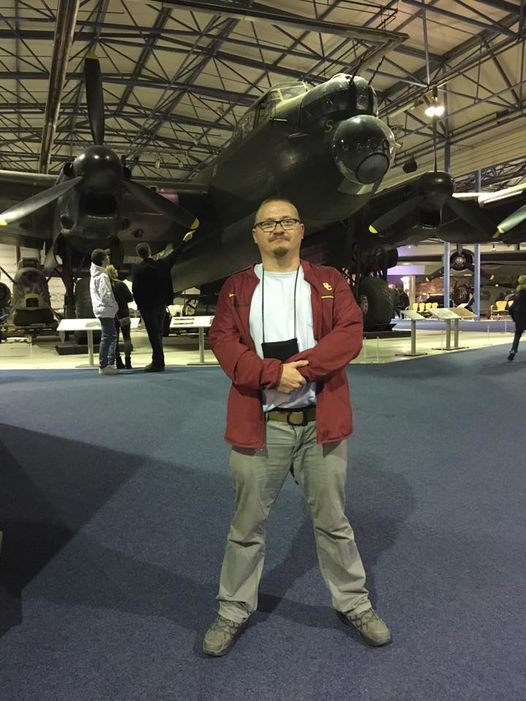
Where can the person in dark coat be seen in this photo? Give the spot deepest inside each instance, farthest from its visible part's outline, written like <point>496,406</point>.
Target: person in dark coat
<point>123,297</point>
<point>403,298</point>
<point>153,292</point>
<point>518,314</point>
<point>395,297</point>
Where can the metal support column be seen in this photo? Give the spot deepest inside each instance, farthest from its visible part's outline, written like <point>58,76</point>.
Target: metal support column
<point>476,260</point>
<point>448,334</point>
<point>412,290</point>
<point>201,344</point>
<point>446,274</point>
<point>447,168</point>
<point>456,324</point>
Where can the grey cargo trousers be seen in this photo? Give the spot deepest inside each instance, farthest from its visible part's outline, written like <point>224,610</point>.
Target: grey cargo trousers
<point>258,476</point>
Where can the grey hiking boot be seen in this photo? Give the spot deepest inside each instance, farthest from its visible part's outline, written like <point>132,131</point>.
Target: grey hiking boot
<point>221,635</point>
<point>370,626</point>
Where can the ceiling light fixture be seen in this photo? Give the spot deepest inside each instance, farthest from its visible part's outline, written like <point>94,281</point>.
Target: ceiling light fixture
<point>435,108</point>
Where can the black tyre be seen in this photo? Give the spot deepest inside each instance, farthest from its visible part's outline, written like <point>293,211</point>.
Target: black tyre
<point>83,307</point>
<point>376,303</point>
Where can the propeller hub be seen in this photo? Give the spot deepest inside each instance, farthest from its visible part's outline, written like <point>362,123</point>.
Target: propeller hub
<point>437,187</point>
<point>362,149</point>
<point>100,168</point>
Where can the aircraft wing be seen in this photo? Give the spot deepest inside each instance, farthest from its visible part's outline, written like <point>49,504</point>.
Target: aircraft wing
<point>15,186</point>
<point>37,228</point>
<point>426,206</point>
<point>155,228</point>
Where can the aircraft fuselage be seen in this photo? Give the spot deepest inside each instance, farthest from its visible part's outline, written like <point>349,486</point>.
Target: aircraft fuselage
<point>323,148</point>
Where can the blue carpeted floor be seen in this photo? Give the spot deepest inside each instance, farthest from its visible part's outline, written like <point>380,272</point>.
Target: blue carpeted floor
<point>115,500</point>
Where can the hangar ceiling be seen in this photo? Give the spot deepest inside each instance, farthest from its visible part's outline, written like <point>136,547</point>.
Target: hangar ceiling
<point>179,74</point>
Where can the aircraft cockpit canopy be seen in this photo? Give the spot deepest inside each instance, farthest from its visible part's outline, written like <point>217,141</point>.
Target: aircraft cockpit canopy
<point>263,109</point>
<point>341,97</point>
<point>288,90</point>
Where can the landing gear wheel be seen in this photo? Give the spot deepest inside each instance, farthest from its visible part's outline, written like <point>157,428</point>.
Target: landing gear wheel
<point>376,303</point>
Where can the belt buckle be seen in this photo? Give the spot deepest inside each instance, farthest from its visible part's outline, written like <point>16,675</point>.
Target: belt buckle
<point>303,421</point>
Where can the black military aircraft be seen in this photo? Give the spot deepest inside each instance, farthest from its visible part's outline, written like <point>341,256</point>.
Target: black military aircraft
<point>323,147</point>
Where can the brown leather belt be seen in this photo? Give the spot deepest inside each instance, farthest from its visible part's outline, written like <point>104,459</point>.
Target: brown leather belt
<point>293,417</point>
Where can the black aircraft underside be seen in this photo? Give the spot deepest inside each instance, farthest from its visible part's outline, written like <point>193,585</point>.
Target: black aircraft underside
<point>94,231</point>
<point>447,226</point>
<point>216,253</point>
<point>333,239</point>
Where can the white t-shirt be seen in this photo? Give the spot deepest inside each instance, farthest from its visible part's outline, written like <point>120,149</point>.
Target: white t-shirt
<point>279,326</point>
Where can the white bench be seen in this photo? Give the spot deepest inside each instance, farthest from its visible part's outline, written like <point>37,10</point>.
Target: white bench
<point>89,326</point>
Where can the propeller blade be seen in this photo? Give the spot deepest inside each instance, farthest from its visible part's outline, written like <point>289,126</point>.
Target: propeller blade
<point>50,261</point>
<point>94,99</point>
<point>394,215</point>
<point>470,214</point>
<point>186,220</point>
<point>41,199</point>
<point>512,220</point>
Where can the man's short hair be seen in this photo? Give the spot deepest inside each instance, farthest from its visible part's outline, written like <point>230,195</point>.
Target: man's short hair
<point>143,250</point>
<point>274,198</point>
<point>98,255</point>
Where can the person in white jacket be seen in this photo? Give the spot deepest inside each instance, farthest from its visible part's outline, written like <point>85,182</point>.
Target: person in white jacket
<point>105,309</point>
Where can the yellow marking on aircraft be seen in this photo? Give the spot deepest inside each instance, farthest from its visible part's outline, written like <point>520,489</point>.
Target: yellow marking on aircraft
<point>372,229</point>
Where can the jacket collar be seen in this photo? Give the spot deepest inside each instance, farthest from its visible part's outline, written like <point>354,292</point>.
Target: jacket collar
<point>307,271</point>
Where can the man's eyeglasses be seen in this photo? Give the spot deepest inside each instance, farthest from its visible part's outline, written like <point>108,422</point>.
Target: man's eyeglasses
<point>269,225</point>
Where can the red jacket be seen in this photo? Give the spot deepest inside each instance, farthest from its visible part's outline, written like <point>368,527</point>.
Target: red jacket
<point>338,325</point>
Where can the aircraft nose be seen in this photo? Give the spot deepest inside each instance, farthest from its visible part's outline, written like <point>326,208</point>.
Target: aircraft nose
<point>362,148</point>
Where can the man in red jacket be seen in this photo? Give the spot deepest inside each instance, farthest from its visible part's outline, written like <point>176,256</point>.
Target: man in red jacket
<point>284,332</point>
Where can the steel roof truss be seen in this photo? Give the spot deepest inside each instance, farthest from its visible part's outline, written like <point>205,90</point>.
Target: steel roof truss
<point>463,18</point>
